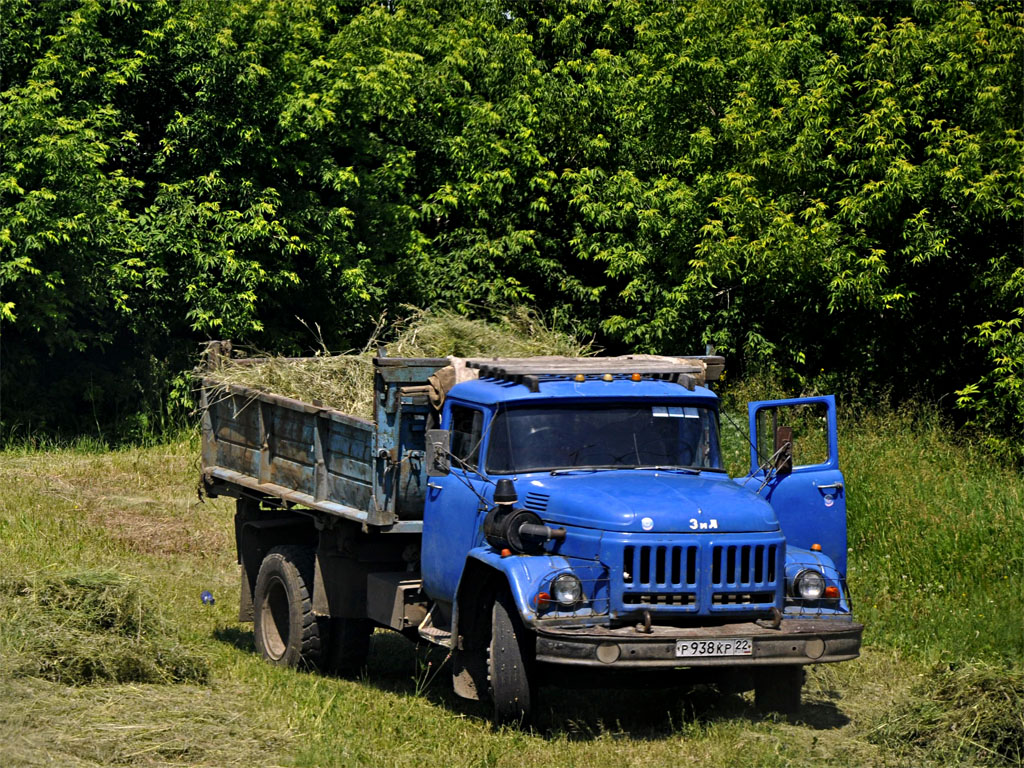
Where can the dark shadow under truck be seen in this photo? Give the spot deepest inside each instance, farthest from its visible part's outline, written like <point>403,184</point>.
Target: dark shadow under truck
<point>534,514</point>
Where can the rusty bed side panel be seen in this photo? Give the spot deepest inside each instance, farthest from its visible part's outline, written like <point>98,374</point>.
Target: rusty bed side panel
<point>315,456</point>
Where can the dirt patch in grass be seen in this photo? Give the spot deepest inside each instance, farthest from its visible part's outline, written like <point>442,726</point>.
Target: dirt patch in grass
<point>144,498</point>
<point>145,526</point>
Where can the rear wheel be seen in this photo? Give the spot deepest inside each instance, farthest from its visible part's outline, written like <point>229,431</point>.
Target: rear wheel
<point>285,629</point>
<point>777,689</point>
<point>510,662</point>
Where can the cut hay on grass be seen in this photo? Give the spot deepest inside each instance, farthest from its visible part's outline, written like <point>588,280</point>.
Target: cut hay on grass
<point>345,382</point>
<point>973,711</point>
<point>92,626</point>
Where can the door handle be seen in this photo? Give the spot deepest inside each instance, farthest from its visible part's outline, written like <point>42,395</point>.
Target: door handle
<point>435,486</point>
<point>837,486</point>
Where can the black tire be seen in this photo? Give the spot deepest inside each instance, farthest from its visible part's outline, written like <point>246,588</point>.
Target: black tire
<point>286,631</point>
<point>347,646</point>
<point>510,664</point>
<point>777,689</point>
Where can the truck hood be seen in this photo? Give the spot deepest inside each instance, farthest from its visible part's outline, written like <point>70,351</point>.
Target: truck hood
<point>646,501</point>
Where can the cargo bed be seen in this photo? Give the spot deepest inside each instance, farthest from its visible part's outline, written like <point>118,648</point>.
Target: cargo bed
<point>295,453</point>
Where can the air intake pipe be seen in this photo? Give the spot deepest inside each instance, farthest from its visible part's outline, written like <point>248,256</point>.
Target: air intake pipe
<point>517,530</point>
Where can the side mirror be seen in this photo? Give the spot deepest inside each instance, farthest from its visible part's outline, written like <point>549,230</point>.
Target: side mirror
<point>783,450</point>
<point>439,443</point>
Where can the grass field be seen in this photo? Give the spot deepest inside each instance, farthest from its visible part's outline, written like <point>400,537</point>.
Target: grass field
<point>109,657</point>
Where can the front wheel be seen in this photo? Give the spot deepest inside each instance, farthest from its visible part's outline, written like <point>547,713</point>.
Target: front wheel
<point>285,628</point>
<point>510,663</point>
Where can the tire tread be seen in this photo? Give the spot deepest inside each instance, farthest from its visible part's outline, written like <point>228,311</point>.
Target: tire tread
<point>296,567</point>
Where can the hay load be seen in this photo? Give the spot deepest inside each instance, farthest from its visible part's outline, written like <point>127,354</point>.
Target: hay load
<point>345,382</point>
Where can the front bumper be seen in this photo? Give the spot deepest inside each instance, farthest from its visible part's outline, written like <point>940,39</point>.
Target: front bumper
<point>796,641</point>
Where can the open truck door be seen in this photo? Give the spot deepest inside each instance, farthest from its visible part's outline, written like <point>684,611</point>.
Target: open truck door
<point>796,465</point>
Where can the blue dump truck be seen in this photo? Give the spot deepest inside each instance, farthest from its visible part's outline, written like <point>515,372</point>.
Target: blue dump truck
<point>543,519</point>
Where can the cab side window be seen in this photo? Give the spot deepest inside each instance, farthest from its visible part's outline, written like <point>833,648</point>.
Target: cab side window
<point>467,431</point>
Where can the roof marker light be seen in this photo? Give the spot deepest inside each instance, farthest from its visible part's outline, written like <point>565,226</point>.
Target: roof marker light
<point>636,377</point>
<point>580,377</point>
<point>607,377</point>
<point>815,547</point>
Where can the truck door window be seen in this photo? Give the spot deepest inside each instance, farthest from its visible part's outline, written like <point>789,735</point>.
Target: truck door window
<point>466,429</point>
<point>810,432</point>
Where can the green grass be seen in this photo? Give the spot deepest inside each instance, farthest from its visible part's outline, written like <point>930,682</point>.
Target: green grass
<point>938,529</point>
<point>936,533</point>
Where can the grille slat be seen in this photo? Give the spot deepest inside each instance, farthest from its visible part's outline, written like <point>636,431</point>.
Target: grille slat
<point>660,598</point>
<point>742,598</point>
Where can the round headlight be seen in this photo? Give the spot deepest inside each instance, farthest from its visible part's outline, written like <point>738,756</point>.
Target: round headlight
<point>566,590</point>
<point>809,585</point>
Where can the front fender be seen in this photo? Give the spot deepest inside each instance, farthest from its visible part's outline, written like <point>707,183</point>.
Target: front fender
<point>484,571</point>
<point>526,575</point>
<point>796,560</point>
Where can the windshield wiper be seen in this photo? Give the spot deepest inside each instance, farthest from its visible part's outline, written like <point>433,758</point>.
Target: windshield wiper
<point>593,468</point>
<point>672,468</point>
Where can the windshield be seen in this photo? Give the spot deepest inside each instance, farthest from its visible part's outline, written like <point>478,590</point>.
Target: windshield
<point>613,435</point>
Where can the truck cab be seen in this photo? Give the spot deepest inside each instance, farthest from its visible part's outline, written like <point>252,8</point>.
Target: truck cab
<point>592,515</point>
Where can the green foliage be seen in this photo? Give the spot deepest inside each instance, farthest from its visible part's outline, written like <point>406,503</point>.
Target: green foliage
<point>996,402</point>
<point>810,186</point>
<point>937,535</point>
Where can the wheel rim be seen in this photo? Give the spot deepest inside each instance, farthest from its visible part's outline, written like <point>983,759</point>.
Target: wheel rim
<point>275,626</point>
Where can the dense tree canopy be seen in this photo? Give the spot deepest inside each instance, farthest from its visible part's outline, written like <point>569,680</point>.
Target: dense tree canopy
<point>818,188</point>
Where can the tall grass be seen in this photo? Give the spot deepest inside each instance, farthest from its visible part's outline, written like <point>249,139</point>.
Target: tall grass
<point>936,528</point>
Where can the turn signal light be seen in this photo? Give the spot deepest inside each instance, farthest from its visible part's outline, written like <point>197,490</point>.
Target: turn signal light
<point>541,599</point>
<point>816,547</point>
<point>506,552</point>
<point>832,593</point>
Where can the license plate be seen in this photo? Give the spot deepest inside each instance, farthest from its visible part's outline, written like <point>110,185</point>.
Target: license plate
<point>726,646</point>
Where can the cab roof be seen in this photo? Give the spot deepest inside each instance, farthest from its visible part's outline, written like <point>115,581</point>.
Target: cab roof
<point>488,391</point>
